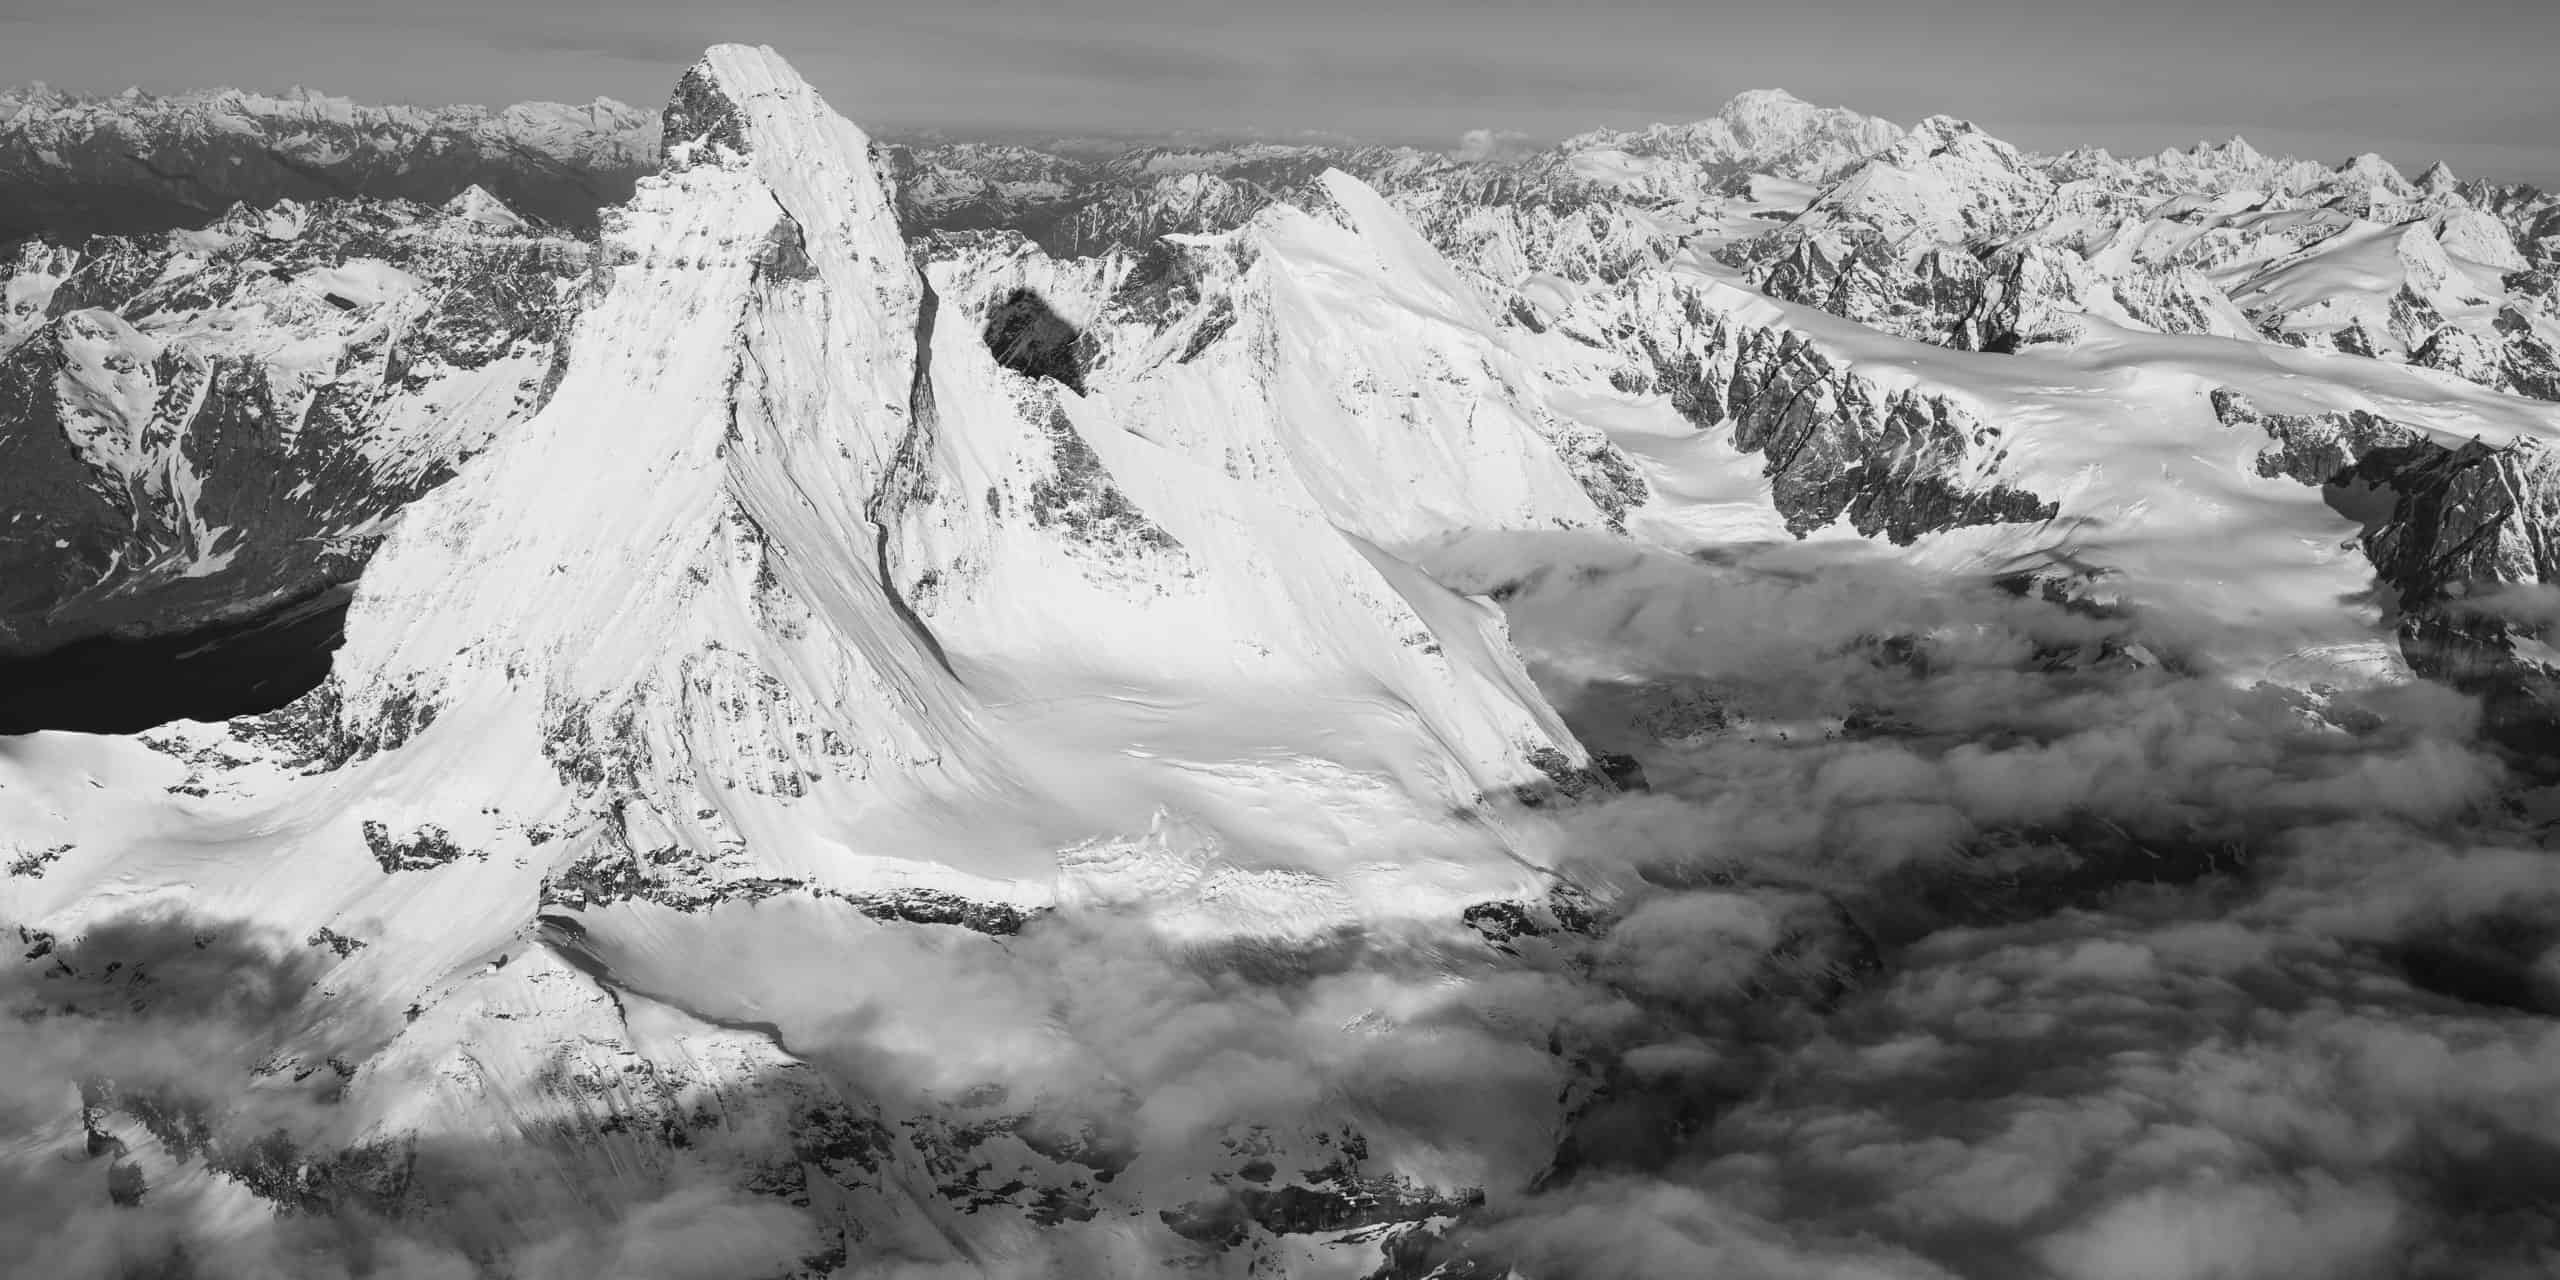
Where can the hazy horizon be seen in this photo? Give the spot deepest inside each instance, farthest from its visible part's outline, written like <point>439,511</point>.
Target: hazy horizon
<point>2461,83</point>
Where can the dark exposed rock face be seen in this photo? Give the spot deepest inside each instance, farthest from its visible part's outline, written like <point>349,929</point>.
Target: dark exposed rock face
<point>175,459</point>
<point>2310,448</point>
<point>1604,472</point>
<point>423,849</point>
<point>377,1177</point>
<point>1028,336</point>
<point>672,877</point>
<point>1078,499</point>
<point>1566,782</point>
<point>1336,1196</point>
<point>1932,296</point>
<point>1838,445</point>
<point>2462,547</point>
<point>699,118</point>
<point>1565,910</point>
<point>934,906</point>
<point>2469,526</point>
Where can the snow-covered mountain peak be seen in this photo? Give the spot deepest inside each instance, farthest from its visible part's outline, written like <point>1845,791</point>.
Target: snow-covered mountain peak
<point>1947,181</point>
<point>1939,133</point>
<point>477,205</point>
<point>2236,151</point>
<point>765,190</point>
<point>792,517</point>
<point>2370,167</point>
<point>744,107</point>
<point>1758,131</point>
<point>1768,120</point>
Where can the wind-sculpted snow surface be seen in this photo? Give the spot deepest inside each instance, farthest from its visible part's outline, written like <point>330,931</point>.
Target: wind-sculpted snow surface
<point>1773,697</point>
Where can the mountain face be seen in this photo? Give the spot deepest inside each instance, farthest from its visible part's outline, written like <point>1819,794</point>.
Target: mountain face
<point>1777,696</point>
<point>207,427</point>
<point>137,164</point>
<point>833,550</point>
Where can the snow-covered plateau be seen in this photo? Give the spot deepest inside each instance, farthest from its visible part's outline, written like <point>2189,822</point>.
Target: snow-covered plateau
<point>1784,696</point>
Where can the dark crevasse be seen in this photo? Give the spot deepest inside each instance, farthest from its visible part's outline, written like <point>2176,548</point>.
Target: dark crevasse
<point>110,685</point>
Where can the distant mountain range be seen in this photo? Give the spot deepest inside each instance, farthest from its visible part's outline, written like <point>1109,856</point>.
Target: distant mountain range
<point>73,166</point>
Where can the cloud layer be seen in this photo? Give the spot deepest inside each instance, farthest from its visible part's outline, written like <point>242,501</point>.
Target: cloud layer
<point>1962,934</point>
<point>2152,993</point>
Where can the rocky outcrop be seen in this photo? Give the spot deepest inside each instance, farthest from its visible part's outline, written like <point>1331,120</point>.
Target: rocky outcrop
<point>1894,462</point>
<point>700,122</point>
<point>2460,538</point>
<point>1335,1197</point>
<point>2467,554</point>
<point>2311,448</point>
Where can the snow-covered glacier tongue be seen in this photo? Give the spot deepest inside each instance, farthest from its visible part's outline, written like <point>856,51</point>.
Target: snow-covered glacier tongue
<point>842,782</point>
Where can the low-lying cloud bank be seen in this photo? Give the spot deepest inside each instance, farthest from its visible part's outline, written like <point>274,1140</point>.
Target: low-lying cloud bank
<point>2161,975</point>
<point>1962,934</point>
<point>154,1028</point>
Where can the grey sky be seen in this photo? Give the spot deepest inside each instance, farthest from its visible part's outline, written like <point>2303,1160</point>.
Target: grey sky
<point>2466,81</point>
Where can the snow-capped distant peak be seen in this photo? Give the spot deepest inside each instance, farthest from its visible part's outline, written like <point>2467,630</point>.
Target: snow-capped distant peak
<point>1946,181</point>
<point>477,205</point>
<point>1775,114</point>
<point>1759,131</point>
<point>1937,133</point>
<point>2381,173</point>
